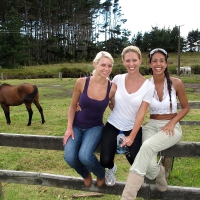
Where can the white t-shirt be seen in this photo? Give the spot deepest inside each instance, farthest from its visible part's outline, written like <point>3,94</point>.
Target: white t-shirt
<point>126,105</point>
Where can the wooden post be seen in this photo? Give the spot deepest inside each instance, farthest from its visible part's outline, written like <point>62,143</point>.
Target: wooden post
<point>168,164</point>
<point>1,191</point>
<point>1,76</point>
<point>60,76</point>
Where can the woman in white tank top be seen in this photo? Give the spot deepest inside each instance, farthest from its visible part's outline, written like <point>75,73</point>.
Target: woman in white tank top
<point>163,129</point>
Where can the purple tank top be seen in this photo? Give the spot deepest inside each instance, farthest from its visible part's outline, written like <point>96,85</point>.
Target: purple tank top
<point>91,113</point>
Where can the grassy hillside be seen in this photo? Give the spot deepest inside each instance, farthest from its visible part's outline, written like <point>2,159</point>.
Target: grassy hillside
<point>52,71</point>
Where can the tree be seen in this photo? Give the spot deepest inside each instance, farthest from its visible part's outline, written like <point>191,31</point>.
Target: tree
<point>12,42</point>
<point>137,40</point>
<point>193,36</point>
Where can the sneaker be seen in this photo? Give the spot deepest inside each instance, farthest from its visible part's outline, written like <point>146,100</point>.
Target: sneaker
<point>110,176</point>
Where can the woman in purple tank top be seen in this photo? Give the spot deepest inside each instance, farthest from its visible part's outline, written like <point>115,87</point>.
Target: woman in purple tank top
<point>84,127</point>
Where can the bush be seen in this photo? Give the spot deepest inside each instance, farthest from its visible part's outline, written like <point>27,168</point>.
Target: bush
<point>74,72</point>
<point>172,69</point>
<point>144,70</point>
<point>118,69</point>
<point>195,69</point>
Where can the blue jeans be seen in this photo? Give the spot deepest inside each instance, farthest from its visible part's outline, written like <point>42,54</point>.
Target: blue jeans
<point>79,153</point>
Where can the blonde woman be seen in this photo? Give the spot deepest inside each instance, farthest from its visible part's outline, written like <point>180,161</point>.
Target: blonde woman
<point>133,95</point>
<point>84,127</point>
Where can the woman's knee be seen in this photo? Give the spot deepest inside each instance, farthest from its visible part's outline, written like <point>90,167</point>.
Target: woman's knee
<point>85,157</point>
<point>146,145</point>
<point>70,157</point>
<point>106,162</point>
<point>70,160</point>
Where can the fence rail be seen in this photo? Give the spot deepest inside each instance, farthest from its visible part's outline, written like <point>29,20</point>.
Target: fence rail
<point>148,191</point>
<point>191,149</point>
<point>193,105</point>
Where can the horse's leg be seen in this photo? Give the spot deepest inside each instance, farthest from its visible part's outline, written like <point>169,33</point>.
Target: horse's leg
<point>6,110</point>
<point>39,107</point>
<point>30,113</point>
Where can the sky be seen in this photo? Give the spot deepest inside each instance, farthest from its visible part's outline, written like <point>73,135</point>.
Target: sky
<point>141,15</point>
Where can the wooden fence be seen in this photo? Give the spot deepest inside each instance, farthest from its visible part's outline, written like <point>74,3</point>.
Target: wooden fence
<point>147,191</point>
<point>193,105</point>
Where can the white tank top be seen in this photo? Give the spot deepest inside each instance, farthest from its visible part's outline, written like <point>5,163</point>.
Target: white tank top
<point>163,107</point>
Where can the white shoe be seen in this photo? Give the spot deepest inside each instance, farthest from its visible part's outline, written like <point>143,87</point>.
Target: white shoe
<point>110,176</point>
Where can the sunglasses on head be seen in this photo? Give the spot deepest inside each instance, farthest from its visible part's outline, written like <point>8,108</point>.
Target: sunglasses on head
<point>158,50</point>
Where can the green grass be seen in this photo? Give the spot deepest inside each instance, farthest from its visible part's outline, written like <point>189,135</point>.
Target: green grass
<point>55,96</point>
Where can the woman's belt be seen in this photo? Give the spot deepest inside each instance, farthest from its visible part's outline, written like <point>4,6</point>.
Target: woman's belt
<point>163,116</point>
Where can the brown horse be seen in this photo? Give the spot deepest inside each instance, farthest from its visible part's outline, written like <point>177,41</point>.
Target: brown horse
<point>17,95</point>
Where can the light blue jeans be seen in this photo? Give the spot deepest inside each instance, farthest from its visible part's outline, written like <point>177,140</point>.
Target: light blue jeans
<point>79,153</point>
<point>153,141</point>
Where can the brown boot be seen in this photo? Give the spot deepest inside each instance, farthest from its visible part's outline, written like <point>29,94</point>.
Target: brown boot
<point>161,182</point>
<point>100,182</point>
<point>88,180</point>
<point>133,184</point>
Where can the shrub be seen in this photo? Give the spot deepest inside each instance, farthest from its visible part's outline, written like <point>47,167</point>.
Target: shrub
<point>195,69</point>
<point>144,70</point>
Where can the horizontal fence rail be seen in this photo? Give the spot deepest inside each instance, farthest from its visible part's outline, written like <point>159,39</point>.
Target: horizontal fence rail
<point>147,191</point>
<point>193,105</point>
<point>181,149</point>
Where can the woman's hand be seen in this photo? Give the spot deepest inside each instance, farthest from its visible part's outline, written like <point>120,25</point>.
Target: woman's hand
<point>169,128</point>
<point>78,108</point>
<point>111,105</point>
<point>128,141</point>
<point>68,133</point>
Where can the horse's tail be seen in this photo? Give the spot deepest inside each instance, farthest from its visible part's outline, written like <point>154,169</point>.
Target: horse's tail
<point>30,97</point>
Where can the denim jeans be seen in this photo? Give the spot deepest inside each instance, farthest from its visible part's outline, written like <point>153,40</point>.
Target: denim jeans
<point>79,153</point>
<point>153,141</point>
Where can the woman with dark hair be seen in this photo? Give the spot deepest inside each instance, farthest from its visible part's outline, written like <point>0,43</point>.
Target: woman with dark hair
<point>163,129</point>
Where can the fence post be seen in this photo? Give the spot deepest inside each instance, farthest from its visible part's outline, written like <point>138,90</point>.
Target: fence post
<point>1,191</point>
<point>60,76</point>
<point>1,76</point>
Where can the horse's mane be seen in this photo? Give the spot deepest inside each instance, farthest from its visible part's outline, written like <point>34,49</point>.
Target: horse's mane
<point>3,85</point>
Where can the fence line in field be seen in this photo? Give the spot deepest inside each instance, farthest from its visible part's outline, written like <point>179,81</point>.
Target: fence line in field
<point>148,191</point>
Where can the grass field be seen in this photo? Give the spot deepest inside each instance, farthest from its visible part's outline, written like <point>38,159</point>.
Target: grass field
<point>55,96</point>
